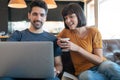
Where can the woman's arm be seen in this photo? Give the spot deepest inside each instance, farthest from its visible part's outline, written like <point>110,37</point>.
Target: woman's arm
<point>96,57</point>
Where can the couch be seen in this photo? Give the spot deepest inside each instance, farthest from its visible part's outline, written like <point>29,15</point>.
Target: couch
<point>111,50</point>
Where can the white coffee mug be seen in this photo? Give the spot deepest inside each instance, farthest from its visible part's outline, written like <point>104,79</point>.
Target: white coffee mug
<point>65,39</point>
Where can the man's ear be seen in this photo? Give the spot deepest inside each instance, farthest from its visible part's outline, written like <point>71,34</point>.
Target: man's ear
<point>46,18</point>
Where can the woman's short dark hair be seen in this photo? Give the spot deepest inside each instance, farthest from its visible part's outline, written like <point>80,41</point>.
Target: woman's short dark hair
<point>38,3</point>
<point>74,8</point>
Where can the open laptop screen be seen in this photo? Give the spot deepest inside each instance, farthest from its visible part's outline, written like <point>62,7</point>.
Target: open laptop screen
<point>27,59</point>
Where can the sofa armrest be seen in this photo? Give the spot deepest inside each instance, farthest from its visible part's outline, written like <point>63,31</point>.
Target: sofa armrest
<point>111,50</point>
<point>117,57</point>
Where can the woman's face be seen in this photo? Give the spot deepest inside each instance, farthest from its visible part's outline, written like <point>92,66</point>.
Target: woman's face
<point>71,21</point>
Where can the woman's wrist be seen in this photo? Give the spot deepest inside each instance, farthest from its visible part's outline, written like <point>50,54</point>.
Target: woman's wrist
<point>79,49</point>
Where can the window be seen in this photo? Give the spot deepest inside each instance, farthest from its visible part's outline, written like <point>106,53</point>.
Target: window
<point>49,26</point>
<point>90,13</point>
<point>109,15</point>
<point>104,14</point>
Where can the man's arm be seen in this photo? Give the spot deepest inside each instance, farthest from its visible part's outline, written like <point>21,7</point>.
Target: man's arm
<point>16,36</point>
<point>58,64</point>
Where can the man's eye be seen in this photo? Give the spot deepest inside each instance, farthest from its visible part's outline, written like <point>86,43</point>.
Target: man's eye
<point>42,15</point>
<point>34,14</point>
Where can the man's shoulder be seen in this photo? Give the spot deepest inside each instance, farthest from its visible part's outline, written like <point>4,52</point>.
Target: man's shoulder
<point>49,35</point>
<point>19,32</point>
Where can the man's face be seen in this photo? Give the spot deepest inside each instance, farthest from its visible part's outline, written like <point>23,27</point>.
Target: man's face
<point>37,17</point>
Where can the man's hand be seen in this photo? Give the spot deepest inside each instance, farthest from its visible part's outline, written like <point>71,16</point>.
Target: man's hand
<point>56,73</point>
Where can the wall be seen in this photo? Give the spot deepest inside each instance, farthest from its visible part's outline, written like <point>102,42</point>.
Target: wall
<point>3,15</point>
<point>12,14</point>
<point>53,14</point>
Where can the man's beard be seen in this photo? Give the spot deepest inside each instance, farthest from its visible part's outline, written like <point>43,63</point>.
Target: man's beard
<point>37,26</point>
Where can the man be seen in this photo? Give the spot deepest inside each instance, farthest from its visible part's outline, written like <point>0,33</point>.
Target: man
<point>37,15</point>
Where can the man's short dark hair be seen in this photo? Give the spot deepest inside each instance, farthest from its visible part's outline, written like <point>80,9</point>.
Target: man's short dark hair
<point>38,3</point>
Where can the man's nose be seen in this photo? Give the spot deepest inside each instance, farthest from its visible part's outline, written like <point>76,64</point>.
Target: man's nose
<point>38,17</point>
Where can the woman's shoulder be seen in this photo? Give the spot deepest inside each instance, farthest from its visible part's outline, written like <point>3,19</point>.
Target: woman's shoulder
<point>65,30</point>
<point>92,29</point>
<point>63,33</point>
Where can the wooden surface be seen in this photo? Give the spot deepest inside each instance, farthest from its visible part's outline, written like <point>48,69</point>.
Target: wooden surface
<point>4,36</point>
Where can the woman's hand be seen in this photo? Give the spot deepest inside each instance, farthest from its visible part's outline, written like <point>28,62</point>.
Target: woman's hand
<point>68,45</point>
<point>72,46</point>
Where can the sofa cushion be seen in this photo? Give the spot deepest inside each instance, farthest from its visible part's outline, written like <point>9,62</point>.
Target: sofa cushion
<point>110,47</point>
<point>117,57</point>
<point>67,63</point>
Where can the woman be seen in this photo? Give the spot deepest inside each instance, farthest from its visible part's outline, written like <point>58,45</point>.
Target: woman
<point>85,47</point>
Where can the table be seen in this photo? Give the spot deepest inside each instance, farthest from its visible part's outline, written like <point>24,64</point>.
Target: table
<point>3,38</point>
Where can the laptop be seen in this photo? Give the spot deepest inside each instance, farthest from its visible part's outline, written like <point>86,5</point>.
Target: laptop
<point>27,59</point>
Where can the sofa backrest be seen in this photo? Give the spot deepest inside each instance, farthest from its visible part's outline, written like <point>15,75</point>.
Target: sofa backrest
<point>111,49</point>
